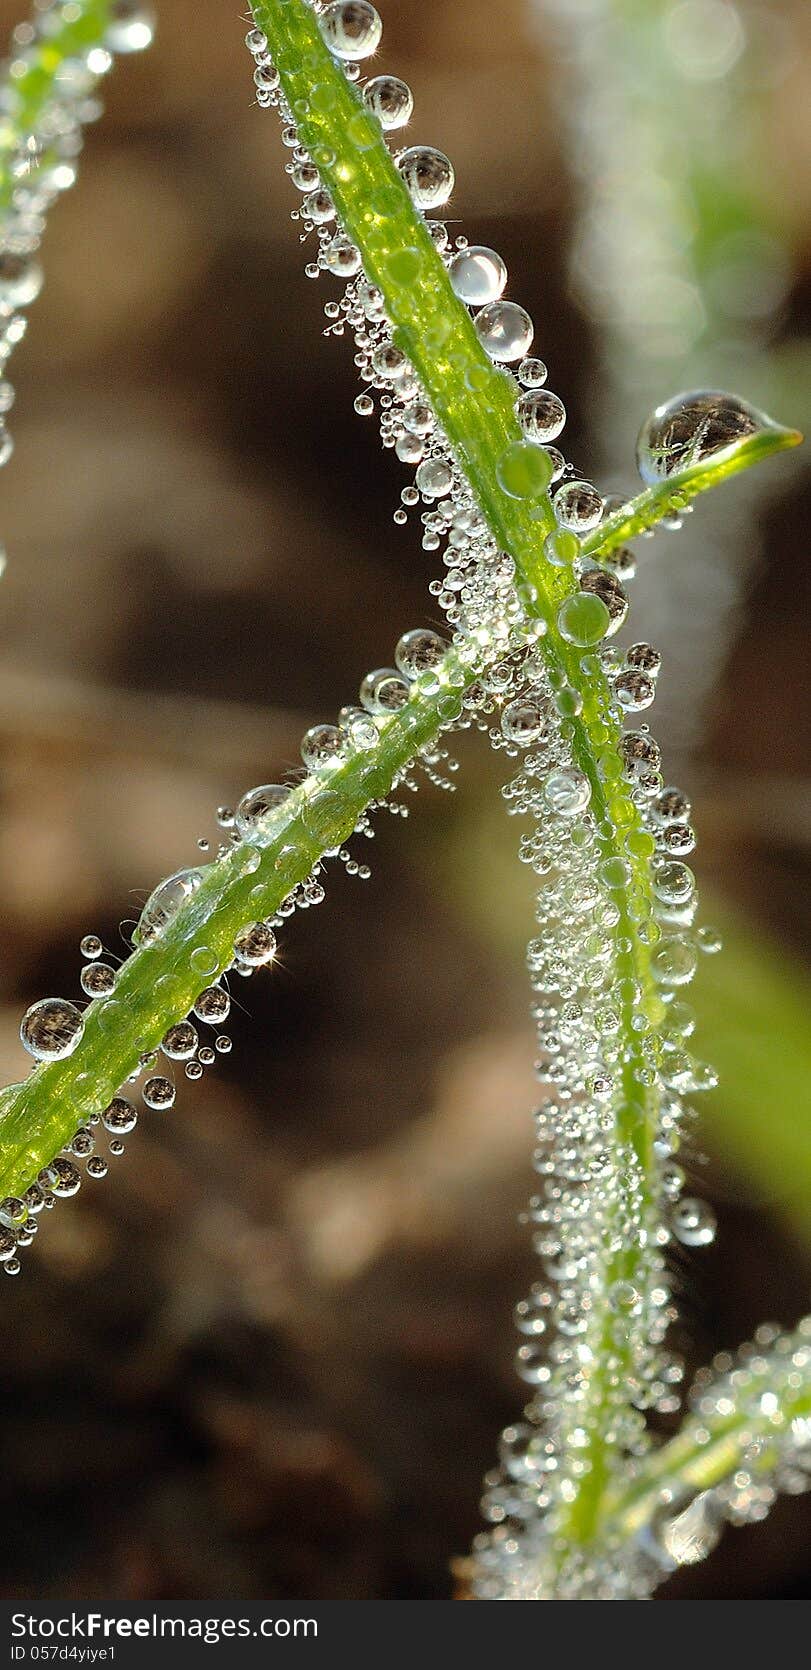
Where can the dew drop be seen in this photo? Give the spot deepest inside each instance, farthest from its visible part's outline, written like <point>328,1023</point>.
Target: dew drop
<point>352,29</point>
<point>578,505</point>
<point>97,979</point>
<point>254,815</point>
<point>130,26</point>
<point>390,100</point>
<point>541,414</point>
<point>428,174</point>
<point>255,945</point>
<point>159,1092</point>
<point>167,899</point>
<point>583,619</point>
<point>505,330</point>
<point>523,471</point>
<point>180,1042</point>
<point>213,1004</point>
<point>478,275</point>
<point>418,653</point>
<point>51,1029</point>
<point>694,427</point>
<point>693,1222</point>
<point>120,1117</point>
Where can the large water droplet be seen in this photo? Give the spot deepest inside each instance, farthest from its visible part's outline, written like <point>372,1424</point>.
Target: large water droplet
<point>390,100</point>
<point>428,174</point>
<point>51,1029</point>
<point>164,903</point>
<point>692,428</point>
<point>478,275</point>
<point>352,29</point>
<point>505,330</point>
<point>254,814</point>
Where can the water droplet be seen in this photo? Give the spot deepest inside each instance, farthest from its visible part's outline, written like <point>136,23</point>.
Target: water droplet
<point>97,979</point>
<point>384,691</point>
<point>583,619</point>
<point>532,373</point>
<point>674,960</point>
<point>342,257</point>
<point>254,816</point>
<point>524,721</point>
<point>634,691</point>
<point>159,1092</point>
<point>693,1222</point>
<point>434,478</point>
<point>607,587</point>
<point>418,653</point>
<point>686,1537</point>
<point>359,728</point>
<point>692,428</point>
<point>130,26</point>
<point>120,1117</point>
<point>428,174</point>
<point>51,1029</point>
<point>505,330</point>
<point>212,1005</point>
<point>204,960</point>
<point>567,792</point>
<point>21,279</point>
<point>352,29</point>
<point>478,275</point>
<point>180,1042</point>
<point>91,946</point>
<point>561,547</point>
<point>390,100</point>
<point>164,903</point>
<point>322,747</point>
<point>255,945</point>
<point>541,414</point>
<point>524,471</point>
<point>578,505</point>
<point>66,1178</point>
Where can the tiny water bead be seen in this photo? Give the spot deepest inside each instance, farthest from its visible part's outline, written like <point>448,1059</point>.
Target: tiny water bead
<point>524,721</point>
<point>541,414</point>
<point>567,792</point>
<point>505,331</point>
<point>561,547</point>
<point>691,428</point>
<point>478,275</point>
<point>51,1029</point>
<point>523,471</point>
<point>390,100</point>
<point>91,946</point>
<point>428,174</point>
<point>583,619</point>
<point>352,29</point>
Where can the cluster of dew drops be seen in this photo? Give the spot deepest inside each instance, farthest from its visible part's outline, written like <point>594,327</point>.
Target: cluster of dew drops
<point>42,164</point>
<point>592,1197</point>
<point>490,673</point>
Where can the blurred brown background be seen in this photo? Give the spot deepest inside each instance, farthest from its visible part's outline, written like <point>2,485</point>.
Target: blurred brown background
<point>270,1355</point>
